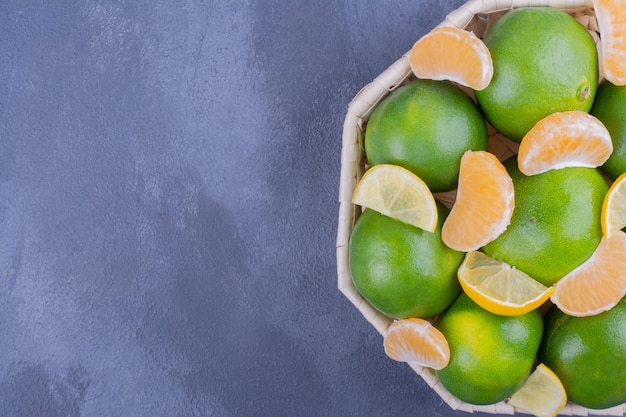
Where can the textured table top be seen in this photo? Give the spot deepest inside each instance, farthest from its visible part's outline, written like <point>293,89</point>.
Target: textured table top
<point>168,201</point>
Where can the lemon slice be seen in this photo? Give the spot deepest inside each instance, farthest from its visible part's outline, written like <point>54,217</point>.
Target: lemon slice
<point>613,216</point>
<point>416,341</point>
<point>398,193</point>
<point>500,288</point>
<point>542,394</point>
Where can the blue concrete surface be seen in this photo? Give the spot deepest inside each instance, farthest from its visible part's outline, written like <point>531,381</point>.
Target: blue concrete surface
<point>169,177</point>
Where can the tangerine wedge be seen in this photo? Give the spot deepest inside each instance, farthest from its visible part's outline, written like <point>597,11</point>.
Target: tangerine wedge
<point>448,53</point>
<point>484,203</point>
<point>564,139</point>
<point>611,16</point>
<point>598,284</point>
<point>416,341</point>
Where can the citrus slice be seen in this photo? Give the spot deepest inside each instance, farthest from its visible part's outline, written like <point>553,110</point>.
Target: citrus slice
<point>542,394</point>
<point>484,203</point>
<point>564,139</point>
<point>611,15</point>
<point>416,341</point>
<point>448,53</point>
<point>398,193</point>
<point>598,284</point>
<point>613,216</point>
<point>500,288</point>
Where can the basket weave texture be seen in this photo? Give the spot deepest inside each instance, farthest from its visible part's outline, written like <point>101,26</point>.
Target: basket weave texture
<point>476,16</point>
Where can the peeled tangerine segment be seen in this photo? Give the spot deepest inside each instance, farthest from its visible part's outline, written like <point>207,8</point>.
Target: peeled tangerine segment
<point>416,341</point>
<point>448,53</point>
<point>598,284</point>
<point>611,16</point>
<point>564,139</point>
<point>484,203</point>
<point>398,193</point>
<point>500,288</point>
<point>613,216</point>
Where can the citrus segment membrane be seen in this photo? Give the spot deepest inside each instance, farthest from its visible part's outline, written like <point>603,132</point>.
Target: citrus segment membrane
<point>448,53</point>
<point>542,395</point>
<point>484,203</point>
<point>564,139</point>
<point>614,207</point>
<point>398,193</point>
<point>500,288</point>
<point>416,341</point>
<point>598,284</point>
<point>611,16</point>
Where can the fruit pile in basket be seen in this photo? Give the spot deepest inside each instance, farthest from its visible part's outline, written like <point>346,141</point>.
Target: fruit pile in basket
<point>515,291</point>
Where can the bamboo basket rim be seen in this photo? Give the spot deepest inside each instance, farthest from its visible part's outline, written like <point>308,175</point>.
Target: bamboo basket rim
<point>476,16</point>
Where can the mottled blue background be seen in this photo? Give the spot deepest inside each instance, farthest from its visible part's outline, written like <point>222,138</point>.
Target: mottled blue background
<point>168,202</point>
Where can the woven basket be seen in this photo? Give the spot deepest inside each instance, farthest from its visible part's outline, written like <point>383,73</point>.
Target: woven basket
<point>476,16</point>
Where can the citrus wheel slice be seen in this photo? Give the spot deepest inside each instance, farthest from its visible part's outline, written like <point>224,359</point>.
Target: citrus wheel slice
<point>448,53</point>
<point>611,16</point>
<point>598,284</point>
<point>484,203</point>
<point>564,139</point>
<point>416,341</point>
<point>613,216</point>
<point>542,394</point>
<point>398,193</point>
<point>500,288</point>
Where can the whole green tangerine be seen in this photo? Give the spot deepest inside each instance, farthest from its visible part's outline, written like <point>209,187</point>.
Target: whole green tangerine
<point>425,126</point>
<point>608,107</point>
<point>401,270</point>
<point>588,354</point>
<point>555,225</point>
<point>544,62</point>
<point>490,355</point>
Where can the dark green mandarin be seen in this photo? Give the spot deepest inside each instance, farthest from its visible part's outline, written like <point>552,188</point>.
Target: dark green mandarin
<point>425,126</point>
<point>588,354</point>
<point>544,62</point>
<point>609,107</point>
<point>555,225</point>
<point>402,270</point>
